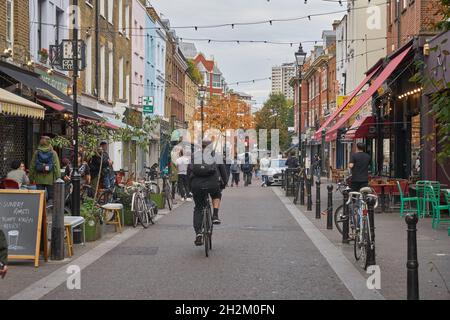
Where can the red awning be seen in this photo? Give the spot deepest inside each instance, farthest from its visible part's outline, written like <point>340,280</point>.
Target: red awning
<point>318,134</point>
<point>106,124</point>
<point>332,133</point>
<point>360,128</point>
<point>52,105</point>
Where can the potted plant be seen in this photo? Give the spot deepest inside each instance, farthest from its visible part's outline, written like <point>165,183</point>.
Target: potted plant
<point>43,55</point>
<point>125,200</point>
<point>91,214</point>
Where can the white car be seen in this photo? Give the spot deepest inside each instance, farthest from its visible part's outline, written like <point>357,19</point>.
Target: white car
<point>274,173</point>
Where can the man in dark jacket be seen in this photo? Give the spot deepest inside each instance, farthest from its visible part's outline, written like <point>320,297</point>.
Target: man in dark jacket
<point>247,169</point>
<point>203,185</point>
<point>3,255</point>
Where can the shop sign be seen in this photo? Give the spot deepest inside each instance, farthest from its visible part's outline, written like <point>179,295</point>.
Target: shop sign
<point>55,81</point>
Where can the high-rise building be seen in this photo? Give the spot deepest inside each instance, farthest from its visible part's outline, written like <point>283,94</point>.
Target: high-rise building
<point>281,75</point>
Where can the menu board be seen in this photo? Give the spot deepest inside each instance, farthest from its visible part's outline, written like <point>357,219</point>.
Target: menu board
<point>21,220</point>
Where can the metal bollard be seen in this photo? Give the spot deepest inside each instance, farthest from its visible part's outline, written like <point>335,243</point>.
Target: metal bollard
<point>302,190</point>
<point>412,265</point>
<point>308,194</point>
<point>330,208</point>
<point>296,188</point>
<point>345,224</point>
<point>318,211</point>
<point>57,243</point>
<point>371,212</point>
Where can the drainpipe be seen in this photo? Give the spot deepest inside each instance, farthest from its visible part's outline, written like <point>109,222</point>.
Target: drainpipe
<point>97,44</point>
<point>399,38</point>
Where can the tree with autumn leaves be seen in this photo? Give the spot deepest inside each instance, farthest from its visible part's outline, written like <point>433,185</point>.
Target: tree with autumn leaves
<point>226,112</point>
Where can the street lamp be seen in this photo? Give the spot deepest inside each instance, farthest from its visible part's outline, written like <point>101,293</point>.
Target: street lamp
<point>300,57</point>
<point>202,93</point>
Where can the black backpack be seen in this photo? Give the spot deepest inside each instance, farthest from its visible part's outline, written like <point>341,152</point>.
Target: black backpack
<point>204,170</point>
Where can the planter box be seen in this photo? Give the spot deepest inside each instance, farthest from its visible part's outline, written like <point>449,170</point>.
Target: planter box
<point>128,216</point>
<point>159,200</point>
<point>93,232</point>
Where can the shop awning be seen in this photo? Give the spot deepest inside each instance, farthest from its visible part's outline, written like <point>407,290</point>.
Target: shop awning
<point>52,105</point>
<point>44,90</point>
<point>318,134</point>
<point>360,128</point>
<point>15,105</point>
<point>393,64</point>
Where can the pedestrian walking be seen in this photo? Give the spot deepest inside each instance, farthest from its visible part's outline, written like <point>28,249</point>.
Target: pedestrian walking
<point>359,165</point>
<point>182,164</point>
<point>292,162</point>
<point>307,165</point>
<point>173,177</point>
<point>264,165</point>
<point>247,169</point>
<point>3,255</point>
<point>228,169</point>
<point>45,168</point>
<point>106,175</point>
<point>235,172</point>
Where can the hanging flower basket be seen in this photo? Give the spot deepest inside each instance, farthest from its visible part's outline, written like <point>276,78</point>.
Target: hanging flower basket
<point>43,55</point>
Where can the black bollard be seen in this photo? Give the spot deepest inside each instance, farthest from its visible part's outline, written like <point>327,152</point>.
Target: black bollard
<point>318,211</point>
<point>345,224</point>
<point>371,212</point>
<point>412,265</point>
<point>302,190</point>
<point>296,188</point>
<point>57,242</point>
<point>330,208</point>
<point>308,194</point>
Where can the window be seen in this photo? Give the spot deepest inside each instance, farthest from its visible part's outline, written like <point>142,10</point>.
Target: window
<point>405,4</point>
<point>10,23</point>
<point>110,11</point>
<point>120,17</point>
<point>59,26</point>
<point>40,14</point>
<point>102,8</point>
<point>88,73</point>
<point>102,72</point>
<point>121,66</point>
<point>127,21</point>
<point>110,77</point>
<point>127,88</point>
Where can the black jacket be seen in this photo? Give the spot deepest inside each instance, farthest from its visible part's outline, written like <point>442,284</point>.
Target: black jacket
<point>218,180</point>
<point>3,248</point>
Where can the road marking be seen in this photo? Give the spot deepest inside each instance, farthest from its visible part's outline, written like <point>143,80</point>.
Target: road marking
<point>49,283</point>
<point>345,270</point>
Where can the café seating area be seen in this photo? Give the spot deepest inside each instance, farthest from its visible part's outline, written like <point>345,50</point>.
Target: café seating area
<point>423,197</point>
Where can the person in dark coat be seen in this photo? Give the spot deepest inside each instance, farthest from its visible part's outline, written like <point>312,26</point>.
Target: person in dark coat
<point>3,255</point>
<point>201,186</point>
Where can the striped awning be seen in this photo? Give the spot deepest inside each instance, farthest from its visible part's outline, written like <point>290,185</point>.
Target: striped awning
<point>15,105</point>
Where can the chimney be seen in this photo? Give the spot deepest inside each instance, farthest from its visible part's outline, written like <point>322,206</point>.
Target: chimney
<point>336,24</point>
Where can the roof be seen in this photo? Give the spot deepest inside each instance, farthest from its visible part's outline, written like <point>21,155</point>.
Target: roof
<point>209,64</point>
<point>189,50</point>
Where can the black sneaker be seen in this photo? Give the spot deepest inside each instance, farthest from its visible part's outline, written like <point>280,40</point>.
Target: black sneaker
<point>198,240</point>
<point>216,220</point>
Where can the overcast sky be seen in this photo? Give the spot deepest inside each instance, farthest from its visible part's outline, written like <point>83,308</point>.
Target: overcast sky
<point>240,62</point>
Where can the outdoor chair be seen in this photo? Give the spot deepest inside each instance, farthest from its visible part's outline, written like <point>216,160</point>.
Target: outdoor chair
<point>406,201</point>
<point>437,207</point>
<point>394,191</point>
<point>9,184</point>
<point>426,195</point>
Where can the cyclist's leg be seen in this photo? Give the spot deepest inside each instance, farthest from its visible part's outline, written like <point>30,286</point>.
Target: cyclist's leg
<point>216,197</point>
<point>199,200</point>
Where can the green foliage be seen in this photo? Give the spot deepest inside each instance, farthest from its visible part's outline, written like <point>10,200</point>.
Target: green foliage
<point>277,113</point>
<point>444,24</point>
<point>89,211</point>
<point>194,73</point>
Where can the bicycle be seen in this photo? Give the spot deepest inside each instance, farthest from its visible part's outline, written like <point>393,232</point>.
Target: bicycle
<point>339,216</point>
<point>207,226</point>
<point>167,191</point>
<point>364,244</point>
<point>144,210</point>
<point>152,179</point>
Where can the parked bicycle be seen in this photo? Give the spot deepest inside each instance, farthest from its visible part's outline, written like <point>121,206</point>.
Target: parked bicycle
<point>144,210</point>
<point>151,178</point>
<point>339,216</point>
<point>364,243</point>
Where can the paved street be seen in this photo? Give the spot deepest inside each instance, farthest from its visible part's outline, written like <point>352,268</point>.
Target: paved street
<point>260,252</point>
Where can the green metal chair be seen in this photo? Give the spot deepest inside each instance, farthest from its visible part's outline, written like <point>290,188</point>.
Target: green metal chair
<point>426,196</point>
<point>408,201</point>
<point>437,207</point>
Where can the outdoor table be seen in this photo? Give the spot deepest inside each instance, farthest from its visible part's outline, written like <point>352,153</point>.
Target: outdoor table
<point>383,192</point>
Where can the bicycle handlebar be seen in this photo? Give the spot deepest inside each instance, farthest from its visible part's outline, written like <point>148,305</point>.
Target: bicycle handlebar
<point>353,194</point>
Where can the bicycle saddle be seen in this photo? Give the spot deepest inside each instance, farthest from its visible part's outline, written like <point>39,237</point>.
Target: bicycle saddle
<point>367,190</point>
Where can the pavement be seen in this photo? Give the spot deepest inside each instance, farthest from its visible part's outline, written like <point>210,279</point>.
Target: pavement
<point>433,248</point>
<point>266,248</point>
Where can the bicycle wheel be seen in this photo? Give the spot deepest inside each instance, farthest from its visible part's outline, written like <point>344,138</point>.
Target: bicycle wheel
<point>365,246</point>
<point>136,218</point>
<point>339,218</point>
<point>104,198</point>
<point>154,188</point>
<point>359,246</point>
<point>152,215</point>
<point>211,226</point>
<point>144,213</point>
<point>168,196</point>
<point>206,228</point>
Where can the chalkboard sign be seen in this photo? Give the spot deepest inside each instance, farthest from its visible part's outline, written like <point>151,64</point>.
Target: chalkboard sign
<point>21,219</point>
